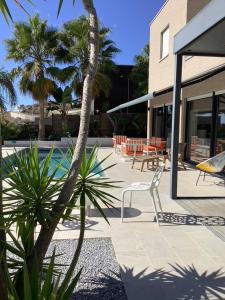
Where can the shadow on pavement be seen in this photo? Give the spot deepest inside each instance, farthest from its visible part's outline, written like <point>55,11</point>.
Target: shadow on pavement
<point>181,283</point>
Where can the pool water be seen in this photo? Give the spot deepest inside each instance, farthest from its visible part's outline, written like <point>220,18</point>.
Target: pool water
<point>61,156</point>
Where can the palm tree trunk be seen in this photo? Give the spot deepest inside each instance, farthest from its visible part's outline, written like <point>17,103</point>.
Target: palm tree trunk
<point>46,234</point>
<point>77,252</point>
<point>3,291</point>
<point>41,131</point>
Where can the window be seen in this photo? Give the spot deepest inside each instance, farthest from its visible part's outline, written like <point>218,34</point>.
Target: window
<point>164,51</point>
<point>199,129</point>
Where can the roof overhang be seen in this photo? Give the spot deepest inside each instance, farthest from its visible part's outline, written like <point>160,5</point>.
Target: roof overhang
<point>145,98</point>
<point>204,35</point>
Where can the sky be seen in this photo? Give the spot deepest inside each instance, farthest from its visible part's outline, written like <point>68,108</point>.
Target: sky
<point>128,20</point>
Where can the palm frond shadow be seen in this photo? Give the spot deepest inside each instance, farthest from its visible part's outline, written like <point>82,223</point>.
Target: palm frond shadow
<point>180,283</point>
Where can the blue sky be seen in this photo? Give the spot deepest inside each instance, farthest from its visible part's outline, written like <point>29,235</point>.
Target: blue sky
<point>128,20</point>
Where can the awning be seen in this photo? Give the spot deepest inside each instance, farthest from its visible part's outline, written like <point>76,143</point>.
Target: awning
<point>142,99</point>
<point>194,80</point>
<point>204,34</point>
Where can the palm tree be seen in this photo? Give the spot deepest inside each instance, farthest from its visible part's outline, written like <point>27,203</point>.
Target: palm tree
<point>7,95</point>
<point>62,102</point>
<point>74,50</point>
<point>33,47</point>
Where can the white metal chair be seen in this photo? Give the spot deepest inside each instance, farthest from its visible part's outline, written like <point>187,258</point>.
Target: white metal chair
<point>151,187</point>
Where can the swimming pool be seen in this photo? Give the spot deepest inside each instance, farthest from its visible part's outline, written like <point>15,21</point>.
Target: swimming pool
<point>61,155</point>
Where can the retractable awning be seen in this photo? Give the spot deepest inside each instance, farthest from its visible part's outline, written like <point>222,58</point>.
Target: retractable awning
<point>142,99</point>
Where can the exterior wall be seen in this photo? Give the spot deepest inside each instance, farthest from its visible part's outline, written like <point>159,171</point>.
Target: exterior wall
<point>194,6</point>
<point>175,13</point>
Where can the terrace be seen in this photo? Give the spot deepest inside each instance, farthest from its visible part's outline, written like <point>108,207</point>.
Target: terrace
<point>191,235</point>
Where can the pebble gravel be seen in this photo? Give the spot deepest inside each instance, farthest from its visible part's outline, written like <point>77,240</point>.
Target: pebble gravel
<point>100,278</point>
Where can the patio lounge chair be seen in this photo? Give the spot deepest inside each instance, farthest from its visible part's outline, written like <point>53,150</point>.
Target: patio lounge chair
<point>151,187</point>
<point>156,144</point>
<point>117,140</point>
<point>212,166</point>
<point>133,147</point>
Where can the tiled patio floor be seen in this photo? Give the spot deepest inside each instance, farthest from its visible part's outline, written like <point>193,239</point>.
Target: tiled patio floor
<point>181,259</point>
<point>183,247</point>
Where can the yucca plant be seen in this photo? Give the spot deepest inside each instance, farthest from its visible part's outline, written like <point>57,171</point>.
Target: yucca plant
<point>32,187</point>
<point>38,286</point>
<point>31,191</point>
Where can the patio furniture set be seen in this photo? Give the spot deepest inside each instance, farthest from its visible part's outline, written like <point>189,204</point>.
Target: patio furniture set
<point>140,149</point>
<point>146,151</point>
<point>153,151</point>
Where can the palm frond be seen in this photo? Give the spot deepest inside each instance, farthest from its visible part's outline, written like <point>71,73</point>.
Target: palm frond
<point>6,12</point>
<point>7,90</point>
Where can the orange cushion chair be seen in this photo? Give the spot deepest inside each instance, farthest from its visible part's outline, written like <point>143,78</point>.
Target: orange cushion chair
<point>133,147</point>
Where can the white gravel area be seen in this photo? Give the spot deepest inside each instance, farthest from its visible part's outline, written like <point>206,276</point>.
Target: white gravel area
<point>100,278</point>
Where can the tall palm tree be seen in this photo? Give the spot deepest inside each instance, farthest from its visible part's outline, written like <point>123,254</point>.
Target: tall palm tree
<point>74,51</point>
<point>32,48</point>
<point>7,96</point>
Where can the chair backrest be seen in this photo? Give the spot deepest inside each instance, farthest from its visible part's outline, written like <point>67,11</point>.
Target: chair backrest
<point>156,178</point>
<point>151,141</point>
<point>120,139</point>
<point>136,145</point>
<point>214,164</point>
<point>160,143</point>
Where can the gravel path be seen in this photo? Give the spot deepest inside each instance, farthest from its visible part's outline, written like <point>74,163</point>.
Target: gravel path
<point>100,277</point>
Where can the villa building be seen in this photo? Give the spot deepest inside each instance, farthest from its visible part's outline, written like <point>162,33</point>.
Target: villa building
<point>202,111</point>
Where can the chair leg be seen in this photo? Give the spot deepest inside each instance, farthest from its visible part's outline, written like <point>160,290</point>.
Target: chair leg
<point>183,165</point>
<point>142,165</point>
<point>204,176</point>
<point>160,205</point>
<point>122,205</point>
<point>131,199</point>
<point>198,178</point>
<point>153,201</point>
<point>133,163</point>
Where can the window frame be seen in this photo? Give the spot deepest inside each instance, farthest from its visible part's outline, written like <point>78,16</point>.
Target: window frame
<point>167,28</point>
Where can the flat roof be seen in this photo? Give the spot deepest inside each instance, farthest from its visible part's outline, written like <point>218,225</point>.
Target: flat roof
<point>205,33</point>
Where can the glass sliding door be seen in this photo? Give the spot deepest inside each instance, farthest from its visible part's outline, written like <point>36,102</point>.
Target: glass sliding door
<point>162,121</point>
<point>199,120</point>
<point>158,122</point>
<point>220,136</point>
<point>168,124</point>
